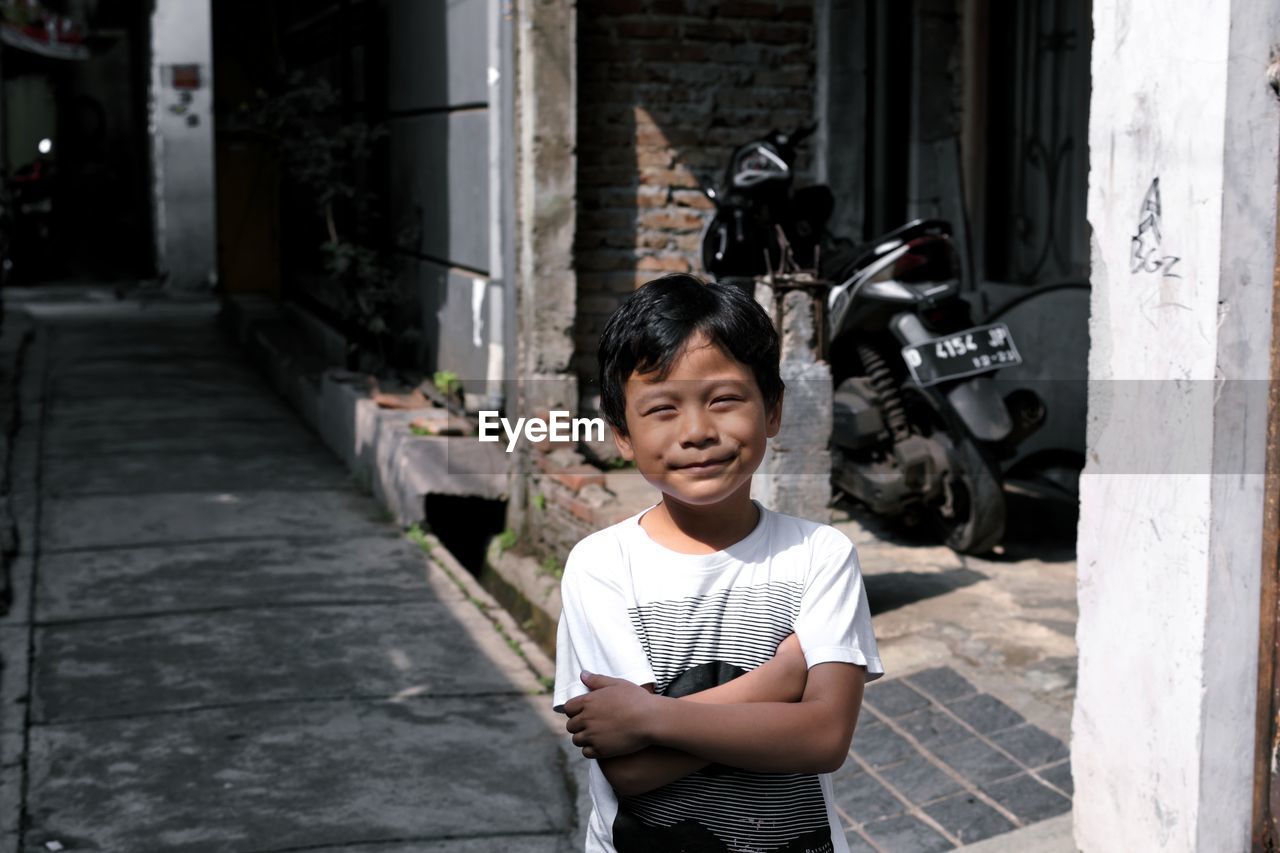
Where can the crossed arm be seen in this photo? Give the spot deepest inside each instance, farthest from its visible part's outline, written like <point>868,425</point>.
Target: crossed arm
<point>777,718</point>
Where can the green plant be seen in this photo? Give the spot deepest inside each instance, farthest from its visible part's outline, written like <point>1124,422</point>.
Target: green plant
<point>419,429</point>
<point>447,382</point>
<point>418,536</point>
<point>506,540</point>
<point>550,565</point>
<point>540,501</point>
<point>617,463</point>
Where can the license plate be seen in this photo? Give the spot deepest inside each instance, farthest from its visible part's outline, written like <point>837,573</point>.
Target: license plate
<point>977,350</point>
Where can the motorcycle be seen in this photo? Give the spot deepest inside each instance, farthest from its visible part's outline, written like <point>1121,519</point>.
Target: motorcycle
<point>919,425</point>
<point>31,254</point>
<point>919,428</point>
<point>759,222</point>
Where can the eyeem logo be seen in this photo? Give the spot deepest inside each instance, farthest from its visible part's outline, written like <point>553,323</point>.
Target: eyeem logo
<point>560,427</point>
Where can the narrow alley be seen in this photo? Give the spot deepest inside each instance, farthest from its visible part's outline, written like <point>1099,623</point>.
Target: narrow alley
<point>229,646</point>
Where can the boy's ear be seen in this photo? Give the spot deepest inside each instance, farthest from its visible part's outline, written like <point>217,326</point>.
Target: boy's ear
<point>623,442</point>
<point>773,420</point>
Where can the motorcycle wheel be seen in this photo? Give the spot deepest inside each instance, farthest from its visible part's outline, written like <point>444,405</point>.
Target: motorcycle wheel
<point>971,519</point>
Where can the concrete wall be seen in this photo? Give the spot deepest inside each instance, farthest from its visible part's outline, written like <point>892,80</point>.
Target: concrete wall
<point>182,145</point>
<point>546,119</point>
<point>1169,553</point>
<point>446,81</point>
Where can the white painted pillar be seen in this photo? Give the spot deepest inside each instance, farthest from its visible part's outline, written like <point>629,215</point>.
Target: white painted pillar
<point>1171,500</point>
<point>182,142</point>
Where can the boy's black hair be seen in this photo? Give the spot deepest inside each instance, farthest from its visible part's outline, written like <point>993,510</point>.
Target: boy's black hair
<point>652,325</point>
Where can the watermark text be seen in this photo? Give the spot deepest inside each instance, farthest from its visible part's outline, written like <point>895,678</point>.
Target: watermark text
<point>559,426</point>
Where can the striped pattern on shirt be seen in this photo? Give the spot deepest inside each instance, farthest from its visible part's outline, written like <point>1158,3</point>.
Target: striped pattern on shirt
<point>743,810</point>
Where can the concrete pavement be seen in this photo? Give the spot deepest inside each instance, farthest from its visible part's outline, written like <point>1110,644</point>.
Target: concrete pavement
<point>218,644</point>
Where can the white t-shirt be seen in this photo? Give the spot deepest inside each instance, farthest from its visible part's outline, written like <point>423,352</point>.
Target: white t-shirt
<point>636,610</point>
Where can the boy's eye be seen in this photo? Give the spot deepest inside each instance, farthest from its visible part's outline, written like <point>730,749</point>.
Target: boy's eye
<point>728,398</point>
<point>658,409</point>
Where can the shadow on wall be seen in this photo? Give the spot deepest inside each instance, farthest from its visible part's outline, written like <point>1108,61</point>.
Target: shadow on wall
<point>666,90</point>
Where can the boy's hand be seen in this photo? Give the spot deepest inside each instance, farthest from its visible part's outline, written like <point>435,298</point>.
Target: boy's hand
<point>610,720</point>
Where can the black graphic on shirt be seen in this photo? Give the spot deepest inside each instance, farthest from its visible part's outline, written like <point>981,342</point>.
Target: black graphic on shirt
<point>694,644</point>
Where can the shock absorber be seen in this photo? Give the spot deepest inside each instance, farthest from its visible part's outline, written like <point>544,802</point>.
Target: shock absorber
<point>895,413</point>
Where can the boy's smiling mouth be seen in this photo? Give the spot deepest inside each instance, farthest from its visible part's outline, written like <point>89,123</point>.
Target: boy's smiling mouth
<point>706,465</point>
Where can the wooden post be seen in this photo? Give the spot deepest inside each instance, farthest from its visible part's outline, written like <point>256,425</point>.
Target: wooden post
<point>1266,767</point>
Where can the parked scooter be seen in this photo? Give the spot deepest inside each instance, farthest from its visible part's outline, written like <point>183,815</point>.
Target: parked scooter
<point>919,426</point>
<point>30,194</point>
<point>756,200</point>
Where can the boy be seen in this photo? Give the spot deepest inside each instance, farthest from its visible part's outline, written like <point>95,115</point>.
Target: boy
<point>711,653</point>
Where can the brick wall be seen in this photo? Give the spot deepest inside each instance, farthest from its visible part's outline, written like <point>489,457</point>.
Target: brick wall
<point>569,501</point>
<point>666,90</point>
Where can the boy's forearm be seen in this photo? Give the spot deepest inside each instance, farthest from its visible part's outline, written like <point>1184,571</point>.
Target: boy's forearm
<point>769,682</point>
<point>783,678</point>
<point>768,737</point>
<point>648,769</point>
<point>776,680</point>
<point>810,736</point>
<point>656,766</point>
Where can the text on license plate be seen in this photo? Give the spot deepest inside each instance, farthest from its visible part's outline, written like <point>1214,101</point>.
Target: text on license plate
<point>962,354</point>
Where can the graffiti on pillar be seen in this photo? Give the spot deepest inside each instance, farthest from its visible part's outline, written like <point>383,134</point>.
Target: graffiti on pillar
<point>1145,252</point>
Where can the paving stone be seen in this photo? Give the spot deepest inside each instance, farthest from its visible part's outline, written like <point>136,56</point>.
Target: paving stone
<point>985,713</point>
<point>205,362</point>
<point>894,698</point>
<point>857,844</point>
<point>862,797</point>
<point>1030,745</point>
<point>69,352</point>
<point>174,435</point>
<point>298,776</point>
<point>480,844</point>
<point>298,468</point>
<point>102,409</point>
<point>976,761</point>
<point>1027,798</point>
<point>11,750</point>
<point>906,834</point>
<point>14,660</point>
<point>141,581</point>
<point>878,745</point>
<point>943,683</point>
<point>920,780</point>
<point>148,665</point>
<point>932,727</point>
<point>74,523</point>
<point>1060,775</point>
<point>968,818</point>
<point>171,390</point>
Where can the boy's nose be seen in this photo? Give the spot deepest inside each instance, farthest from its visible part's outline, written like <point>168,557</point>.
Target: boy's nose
<point>698,429</point>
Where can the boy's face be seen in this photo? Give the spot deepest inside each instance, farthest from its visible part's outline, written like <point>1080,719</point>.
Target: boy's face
<point>698,434</point>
